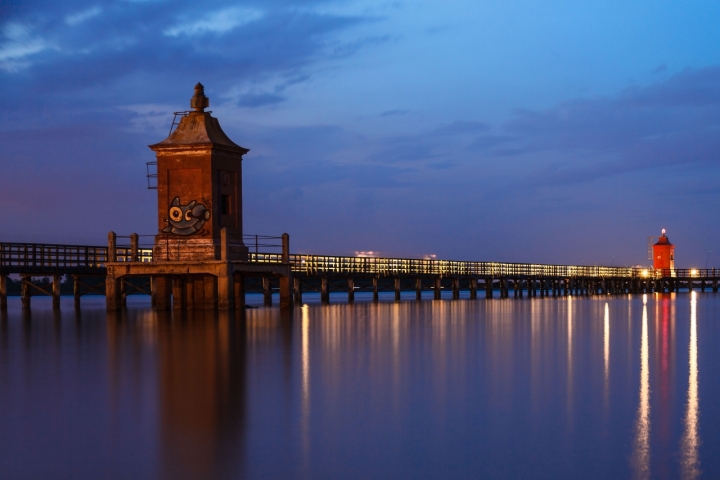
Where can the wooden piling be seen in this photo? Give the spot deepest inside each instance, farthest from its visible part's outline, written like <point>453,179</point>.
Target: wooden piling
<point>488,287</point>
<point>324,291</point>
<point>397,289</point>
<point>286,298</point>
<point>3,292</point>
<point>418,288</point>
<point>178,292</point>
<point>162,290</point>
<point>351,290</point>
<point>455,288</point>
<point>56,292</point>
<point>473,288</point>
<point>297,288</point>
<point>25,291</point>
<point>376,294</point>
<point>239,291</point>
<point>437,290</point>
<point>211,292</point>
<point>267,291</point>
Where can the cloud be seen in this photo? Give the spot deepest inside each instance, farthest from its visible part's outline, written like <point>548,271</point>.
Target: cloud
<point>254,100</point>
<point>19,43</point>
<point>674,122</point>
<point>82,16</point>
<point>220,21</point>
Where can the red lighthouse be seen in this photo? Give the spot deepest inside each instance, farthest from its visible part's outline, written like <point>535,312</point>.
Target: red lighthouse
<point>664,254</point>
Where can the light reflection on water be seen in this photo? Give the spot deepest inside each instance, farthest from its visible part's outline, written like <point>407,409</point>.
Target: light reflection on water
<point>552,388</point>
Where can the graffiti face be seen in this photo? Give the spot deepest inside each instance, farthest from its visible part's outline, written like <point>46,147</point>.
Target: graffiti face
<point>186,219</point>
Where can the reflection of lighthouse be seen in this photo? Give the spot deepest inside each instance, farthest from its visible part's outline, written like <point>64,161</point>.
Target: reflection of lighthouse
<point>664,255</point>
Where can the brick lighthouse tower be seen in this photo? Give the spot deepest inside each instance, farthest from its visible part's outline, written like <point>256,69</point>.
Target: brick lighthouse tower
<point>199,259</point>
<point>664,255</point>
<point>199,188</point>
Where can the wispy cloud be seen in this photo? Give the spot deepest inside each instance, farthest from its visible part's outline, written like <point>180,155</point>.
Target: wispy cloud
<point>220,21</point>
<point>19,43</point>
<point>79,17</point>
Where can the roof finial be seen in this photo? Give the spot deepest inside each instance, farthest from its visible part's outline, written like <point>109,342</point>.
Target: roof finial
<point>663,232</point>
<point>199,101</point>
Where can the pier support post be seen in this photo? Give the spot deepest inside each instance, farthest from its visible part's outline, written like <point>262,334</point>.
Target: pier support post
<point>210,292</point>
<point>324,291</point>
<point>222,289</point>
<point>455,288</point>
<point>418,288</point>
<point>351,290</point>
<point>437,290</point>
<point>473,288</point>
<point>3,292</point>
<point>76,291</point>
<point>267,291</point>
<point>297,288</point>
<point>397,289</point>
<point>239,290</point>
<point>488,287</point>
<point>113,296</point>
<point>162,289</point>
<point>56,292</point>
<point>542,287</point>
<point>286,298</point>
<point>376,295</point>
<point>25,291</point>
<point>134,247</point>
<point>178,292</point>
<point>715,284</point>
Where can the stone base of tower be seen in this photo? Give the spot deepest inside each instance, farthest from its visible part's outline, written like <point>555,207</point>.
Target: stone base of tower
<point>176,249</point>
<point>211,284</point>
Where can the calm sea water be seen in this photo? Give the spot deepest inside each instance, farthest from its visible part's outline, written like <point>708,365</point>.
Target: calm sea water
<point>602,387</point>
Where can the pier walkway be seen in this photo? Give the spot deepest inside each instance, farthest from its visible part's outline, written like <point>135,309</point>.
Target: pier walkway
<point>85,265</point>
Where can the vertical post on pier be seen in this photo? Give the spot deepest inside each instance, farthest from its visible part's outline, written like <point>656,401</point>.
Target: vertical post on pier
<point>418,288</point>
<point>25,291</point>
<point>542,287</point>
<point>488,287</point>
<point>351,290</point>
<point>455,288</point>
<point>397,289</point>
<point>286,299</point>
<point>220,291</point>
<point>267,291</point>
<point>715,284</point>
<point>112,247</point>
<point>324,291</point>
<point>437,290</point>
<point>76,291</point>
<point>123,292</point>
<point>239,290</point>
<point>134,247</point>
<point>297,288</point>
<point>161,287</point>
<point>520,287</point>
<point>178,292</point>
<point>56,292</point>
<point>210,292</point>
<point>376,295</point>
<point>3,292</point>
<point>473,288</point>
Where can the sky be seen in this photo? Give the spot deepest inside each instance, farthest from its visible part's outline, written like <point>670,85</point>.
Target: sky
<point>546,131</point>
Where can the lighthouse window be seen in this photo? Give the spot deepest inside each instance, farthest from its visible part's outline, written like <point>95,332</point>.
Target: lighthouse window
<point>225,204</point>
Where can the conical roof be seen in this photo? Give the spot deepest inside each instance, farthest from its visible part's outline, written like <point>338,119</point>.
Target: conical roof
<point>199,128</point>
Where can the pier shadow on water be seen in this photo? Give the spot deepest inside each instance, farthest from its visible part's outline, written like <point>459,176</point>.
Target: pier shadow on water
<point>600,387</point>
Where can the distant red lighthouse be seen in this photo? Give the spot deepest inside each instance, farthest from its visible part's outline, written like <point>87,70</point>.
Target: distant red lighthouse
<point>663,253</point>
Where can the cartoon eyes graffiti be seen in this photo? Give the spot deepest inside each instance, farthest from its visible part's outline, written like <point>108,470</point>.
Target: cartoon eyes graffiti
<point>176,214</point>
<point>186,219</point>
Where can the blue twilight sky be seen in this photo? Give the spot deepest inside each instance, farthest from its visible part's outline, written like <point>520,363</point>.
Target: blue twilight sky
<point>542,131</point>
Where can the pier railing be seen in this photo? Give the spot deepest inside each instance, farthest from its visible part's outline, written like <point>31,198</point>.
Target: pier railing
<point>41,258</point>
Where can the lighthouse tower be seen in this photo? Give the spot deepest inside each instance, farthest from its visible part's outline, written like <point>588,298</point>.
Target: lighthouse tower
<point>199,188</point>
<point>663,254</point>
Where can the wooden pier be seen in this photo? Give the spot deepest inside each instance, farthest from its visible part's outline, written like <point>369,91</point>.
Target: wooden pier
<point>221,284</point>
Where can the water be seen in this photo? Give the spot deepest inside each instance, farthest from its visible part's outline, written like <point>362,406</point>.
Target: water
<point>602,387</point>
